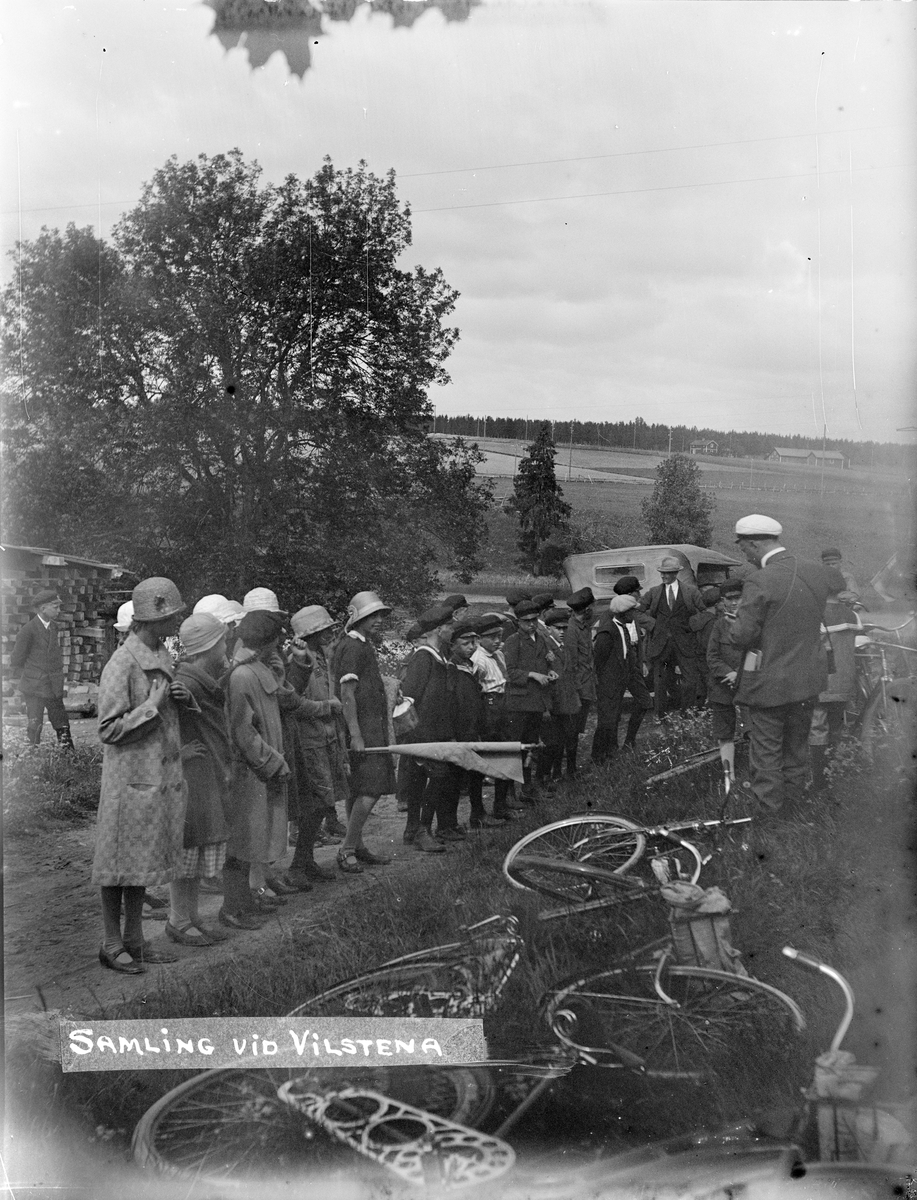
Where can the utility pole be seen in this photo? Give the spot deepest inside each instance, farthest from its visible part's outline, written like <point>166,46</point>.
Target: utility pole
<point>570,455</point>
<point>824,446</point>
<point>670,441</point>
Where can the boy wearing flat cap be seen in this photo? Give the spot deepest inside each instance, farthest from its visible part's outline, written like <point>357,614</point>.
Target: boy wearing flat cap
<point>580,661</point>
<point>37,668</point>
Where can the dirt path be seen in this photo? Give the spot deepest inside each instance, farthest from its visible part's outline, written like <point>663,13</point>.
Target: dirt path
<point>53,921</point>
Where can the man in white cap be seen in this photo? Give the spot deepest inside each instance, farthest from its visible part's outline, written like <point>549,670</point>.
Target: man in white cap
<point>672,642</point>
<point>779,627</point>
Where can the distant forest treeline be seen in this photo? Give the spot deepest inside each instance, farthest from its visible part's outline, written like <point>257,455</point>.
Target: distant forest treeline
<point>639,435</point>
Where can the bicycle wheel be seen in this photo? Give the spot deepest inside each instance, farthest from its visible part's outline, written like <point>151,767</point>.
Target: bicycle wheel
<point>888,725</point>
<point>611,842</point>
<point>716,1025</point>
<point>229,1127</point>
<point>575,882</point>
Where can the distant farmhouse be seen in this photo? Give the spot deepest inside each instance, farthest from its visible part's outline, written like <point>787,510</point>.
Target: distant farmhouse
<point>808,458</point>
<point>702,447</point>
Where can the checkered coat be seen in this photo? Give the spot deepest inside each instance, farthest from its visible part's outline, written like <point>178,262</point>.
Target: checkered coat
<point>141,818</point>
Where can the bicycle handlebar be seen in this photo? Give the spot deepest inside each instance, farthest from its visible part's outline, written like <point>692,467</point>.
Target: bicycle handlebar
<point>806,960</point>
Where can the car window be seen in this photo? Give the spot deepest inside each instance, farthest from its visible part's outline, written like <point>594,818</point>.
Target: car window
<point>610,575</point>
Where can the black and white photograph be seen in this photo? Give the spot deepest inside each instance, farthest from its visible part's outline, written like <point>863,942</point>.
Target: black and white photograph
<point>459,599</point>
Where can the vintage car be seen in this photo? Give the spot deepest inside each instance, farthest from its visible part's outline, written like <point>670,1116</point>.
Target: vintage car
<point>601,569</point>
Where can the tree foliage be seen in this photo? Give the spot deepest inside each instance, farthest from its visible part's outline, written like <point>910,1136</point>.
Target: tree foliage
<point>538,504</point>
<point>235,389</point>
<point>678,510</point>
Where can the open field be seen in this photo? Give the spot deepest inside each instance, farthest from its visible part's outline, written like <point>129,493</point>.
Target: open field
<point>868,529</point>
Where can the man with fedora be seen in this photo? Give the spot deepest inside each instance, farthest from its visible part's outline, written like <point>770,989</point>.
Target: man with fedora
<point>672,643</point>
<point>37,668</point>
<point>579,657</point>
<point>778,626</point>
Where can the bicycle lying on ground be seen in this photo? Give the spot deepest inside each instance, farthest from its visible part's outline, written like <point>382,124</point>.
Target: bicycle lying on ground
<point>598,860</point>
<point>447,1123</point>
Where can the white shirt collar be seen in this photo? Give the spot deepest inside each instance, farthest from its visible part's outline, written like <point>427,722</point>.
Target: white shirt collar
<point>354,633</point>
<point>771,553</point>
<point>47,624</point>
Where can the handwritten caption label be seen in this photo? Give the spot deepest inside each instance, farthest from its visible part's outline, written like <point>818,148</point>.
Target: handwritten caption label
<point>205,1042</point>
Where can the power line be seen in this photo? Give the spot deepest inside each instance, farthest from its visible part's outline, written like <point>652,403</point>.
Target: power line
<point>672,187</point>
<point>546,162</point>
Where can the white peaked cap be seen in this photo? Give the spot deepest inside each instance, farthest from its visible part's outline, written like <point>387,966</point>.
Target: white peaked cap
<point>758,526</point>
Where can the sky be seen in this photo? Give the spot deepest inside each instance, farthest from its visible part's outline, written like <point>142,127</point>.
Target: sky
<point>697,213</point>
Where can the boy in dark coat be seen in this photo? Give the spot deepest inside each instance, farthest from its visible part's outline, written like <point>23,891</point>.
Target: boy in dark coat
<point>425,680</point>
<point>469,721</point>
<point>617,671</point>
<point>529,675</point>
<point>723,662</point>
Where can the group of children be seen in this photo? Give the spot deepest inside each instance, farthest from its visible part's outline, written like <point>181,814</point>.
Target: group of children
<point>206,760</point>
<point>267,719</point>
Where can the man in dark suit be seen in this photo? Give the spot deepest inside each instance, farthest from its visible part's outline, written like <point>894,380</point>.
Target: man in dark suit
<point>779,627</point>
<point>672,642</point>
<point>617,668</point>
<point>37,668</point>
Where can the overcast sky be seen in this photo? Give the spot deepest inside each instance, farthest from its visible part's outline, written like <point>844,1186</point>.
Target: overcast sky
<point>698,213</point>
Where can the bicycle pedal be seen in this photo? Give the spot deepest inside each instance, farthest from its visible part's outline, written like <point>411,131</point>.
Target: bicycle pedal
<point>419,1147</point>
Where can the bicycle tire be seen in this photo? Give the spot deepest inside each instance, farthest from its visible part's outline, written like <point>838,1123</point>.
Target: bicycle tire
<point>227,1127</point>
<point>575,882</point>
<point>616,1018</point>
<point>885,727</point>
<point>580,839</point>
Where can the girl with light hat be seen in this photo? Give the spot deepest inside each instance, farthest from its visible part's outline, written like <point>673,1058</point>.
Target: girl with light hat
<point>362,693</point>
<point>207,762</point>
<point>140,823</point>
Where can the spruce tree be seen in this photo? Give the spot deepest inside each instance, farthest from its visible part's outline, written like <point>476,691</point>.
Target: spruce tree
<point>538,501</point>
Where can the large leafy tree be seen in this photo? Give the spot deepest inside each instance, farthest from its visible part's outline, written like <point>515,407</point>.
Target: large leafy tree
<point>678,510</point>
<point>235,389</point>
<point>539,505</point>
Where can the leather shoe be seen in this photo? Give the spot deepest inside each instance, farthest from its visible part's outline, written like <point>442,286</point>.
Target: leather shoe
<point>451,834</point>
<point>111,961</point>
<point>280,886</point>
<point>424,840</point>
<point>239,920</point>
<point>215,935</point>
<point>409,834</point>
<point>304,876</point>
<point>373,860</point>
<point>265,903</point>
<point>347,862</point>
<point>189,936</point>
<point>147,954</point>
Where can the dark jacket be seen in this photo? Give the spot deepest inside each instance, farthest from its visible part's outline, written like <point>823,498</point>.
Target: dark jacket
<point>702,624</point>
<point>468,711</point>
<point>723,656</point>
<point>673,626</point>
<point>565,700</point>
<point>207,777</point>
<point>781,614</point>
<point>38,660</point>
<point>426,681</point>
<point>613,667</point>
<point>579,657</point>
<point>524,654</point>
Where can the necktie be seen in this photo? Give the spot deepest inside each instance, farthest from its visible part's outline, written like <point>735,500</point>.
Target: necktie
<point>671,593</point>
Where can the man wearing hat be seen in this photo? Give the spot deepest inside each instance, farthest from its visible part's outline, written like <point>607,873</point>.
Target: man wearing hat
<point>851,593</point>
<point>778,626</point>
<point>617,671</point>
<point>490,667</point>
<point>724,660</point>
<point>579,655</point>
<point>672,643</point>
<point>37,668</point>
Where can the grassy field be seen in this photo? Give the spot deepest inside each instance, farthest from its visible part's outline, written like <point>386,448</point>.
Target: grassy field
<point>786,884</point>
<point>867,529</point>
